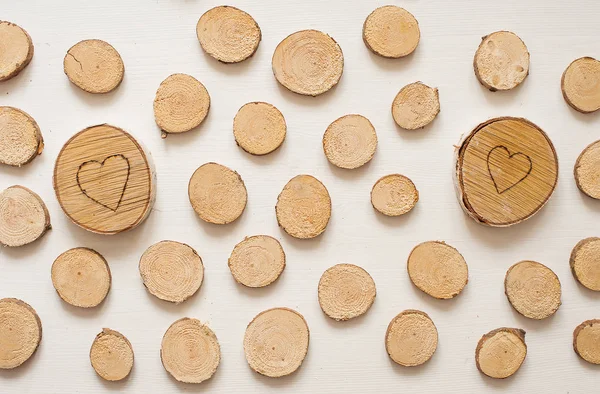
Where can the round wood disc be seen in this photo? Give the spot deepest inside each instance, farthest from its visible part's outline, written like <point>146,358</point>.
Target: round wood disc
<point>276,342</point>
<point>391,32</point>
<point>104,180</point>
<point>350,141</point>
<point>303,207</point>
<point>23,216</point>
<point>438,269</point>
<point>228,34</point>
<point>257,261</point>
<point>308,62</point>
<point>81,277</point>
<point>501,61</point>
<point>346,291</point>
<point>20,137</point>
<point>94,66</point>
<point>587,170</point>
<point>259,128</point>
<point>506,171</point>
<point>190,351</point>
<point>585,263</point>
<point>16,50</point>
<point>217,193</point>
<point>111,355</point>
<point>20,332</point>
<point>394,195</point>
<point>501,352</point>
<point>580,85</point>
<point>411,338</point>
<point>415,106</point>
<point>586,341</point>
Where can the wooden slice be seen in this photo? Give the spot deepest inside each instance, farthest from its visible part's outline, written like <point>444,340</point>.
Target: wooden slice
<point>20,332</point>
<point>587,170</point>
<point>501,61</point>
<point>585,263</point>
<point>104,180</point>
<point>394,195</point>
<point>217,193</point>
<point>501,352</point>
<point>257,261</point>
<point>228,34</point>
<point>308,62</point>
<point>438,269</point>
<point>350,141</point>
<point>111,355</point>
<point>586,341</point>
<point>259,128</point>
<point>190,351</point>
<point>506,170</point>
<point>411,338</point>
<point>580,85</point>
<point>81,277</point>
<point>16,50</point>
<point>415,106</point>
<point>23,216</point>
<point>171,271</point>
<point>276,342</point>
<point>303,207</point>
<point>391,32</point>
<point>94,66</point>
<point>20,137</point>
<point>346,291</point>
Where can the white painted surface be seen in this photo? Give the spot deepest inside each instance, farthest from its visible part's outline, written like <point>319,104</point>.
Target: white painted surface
<point>157,38</point>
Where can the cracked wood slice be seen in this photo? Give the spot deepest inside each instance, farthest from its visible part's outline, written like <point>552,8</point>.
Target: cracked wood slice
<point>94,66</point>
<point>104,180</point>
<point>415,106</point>
<point>257,261</point>
<point>16,50</point>
<point>276,342</point>
<point>587,170</point>
<point>228,34</point>
<point>111,355</point>
<point>580,85</point>
<point>303,207</point>
<point>502,61</point>
<point>259,128</point>
<point>81,277</point>
<point>586,341</point>
<point>308,62</point>
<point>391,32</point>
<point>350,141</point>
<point>23,216</point>
<point>506,170</point>
<point>585,263</point>
<point>411,338</point>
<point>394,195</point>
<point>20,332</point>
<point>20,137</point>
<point>190,351</point>
<point>500,353</point>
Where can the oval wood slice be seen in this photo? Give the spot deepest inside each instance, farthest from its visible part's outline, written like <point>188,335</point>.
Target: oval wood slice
<point>586,341</point>
<point>111,355</point>
<point>20,332</point>
<point>415,106</point>
<point>501,352</point>
<point>411,338</point>
<point>391,32</point>
<point>585,263</point>
<point>350,142</point>
<point>23,216</point>
<point>394,195</point>
<point>94,66</point>
<point>20,137</point>
<point>259,128</point>
<point>257,261</point>
<point>580,85</point>
<point>587,170</point>
<point>16,50</point>
<point>501,61</point>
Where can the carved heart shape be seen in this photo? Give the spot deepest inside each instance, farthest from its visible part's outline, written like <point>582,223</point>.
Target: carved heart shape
<point>506,169</point>
<point>104,182</point>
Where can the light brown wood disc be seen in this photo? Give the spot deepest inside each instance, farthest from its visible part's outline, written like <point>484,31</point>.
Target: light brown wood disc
<point>346,291</point>
<point>394,195</point>
<point>506,170</point>
<point>276,342</point>
<point>259,128</point>
<point>217,193</point>
<point>104,180</point>
<point>94,66</point>
<point>586,341</point>
<point>20,332</point>
<point>391,32</point>
<point>81,277</point>
<point>532,289</point>
<point>181,104</point>
<point>16,50</point>
<point>303,207</point>
<point>228,34</point>
<point>111,355</point>
<point>257,261</point>
<point>587,170</point>
<point>20,137</point>
<point>171,271</point>
<point>23,216</point>
<point>415,106</point>
<point>350,141</point>
<point>501,61</point>
<point>190,351</point>
<point>580,85</point>
<point>308,62</point>
<point>585,263</point>
<point>411,338</point>
<point>501,352</point>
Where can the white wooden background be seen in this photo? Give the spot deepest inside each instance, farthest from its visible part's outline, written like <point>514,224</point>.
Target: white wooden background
<point>157,38</point>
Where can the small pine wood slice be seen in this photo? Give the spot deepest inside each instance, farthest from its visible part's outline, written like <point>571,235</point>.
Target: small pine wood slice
<point>585,263</point>
<point>394,195</point>
<point>276,342</point>
<point>350,142</point>
<point>20,332</point>
<point>16,50</point>
<point>81,277</point>
<point>411,338</point>
<point>23,216</point>
<point>111,355</point>
<point>391,32</point>
<point>259,128</point>
<point>190,351</point>
<point>415,106</point>
<point>20,137</point>
<point>257,261</point>
<point>586,341</point>
<point>501,352</point>
<point>532,289</point>
<point>308,62</point>
<point>587,170</point>
<point>94,66</point>
<point>580,85</point>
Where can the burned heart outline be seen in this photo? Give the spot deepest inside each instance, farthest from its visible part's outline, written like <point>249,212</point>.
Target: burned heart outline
<point>102,164</point>
<point>510,156</point>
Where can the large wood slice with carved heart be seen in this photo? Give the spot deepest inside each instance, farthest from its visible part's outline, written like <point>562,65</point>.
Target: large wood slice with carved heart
<point>506,170</point>
<point>104,180</point>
